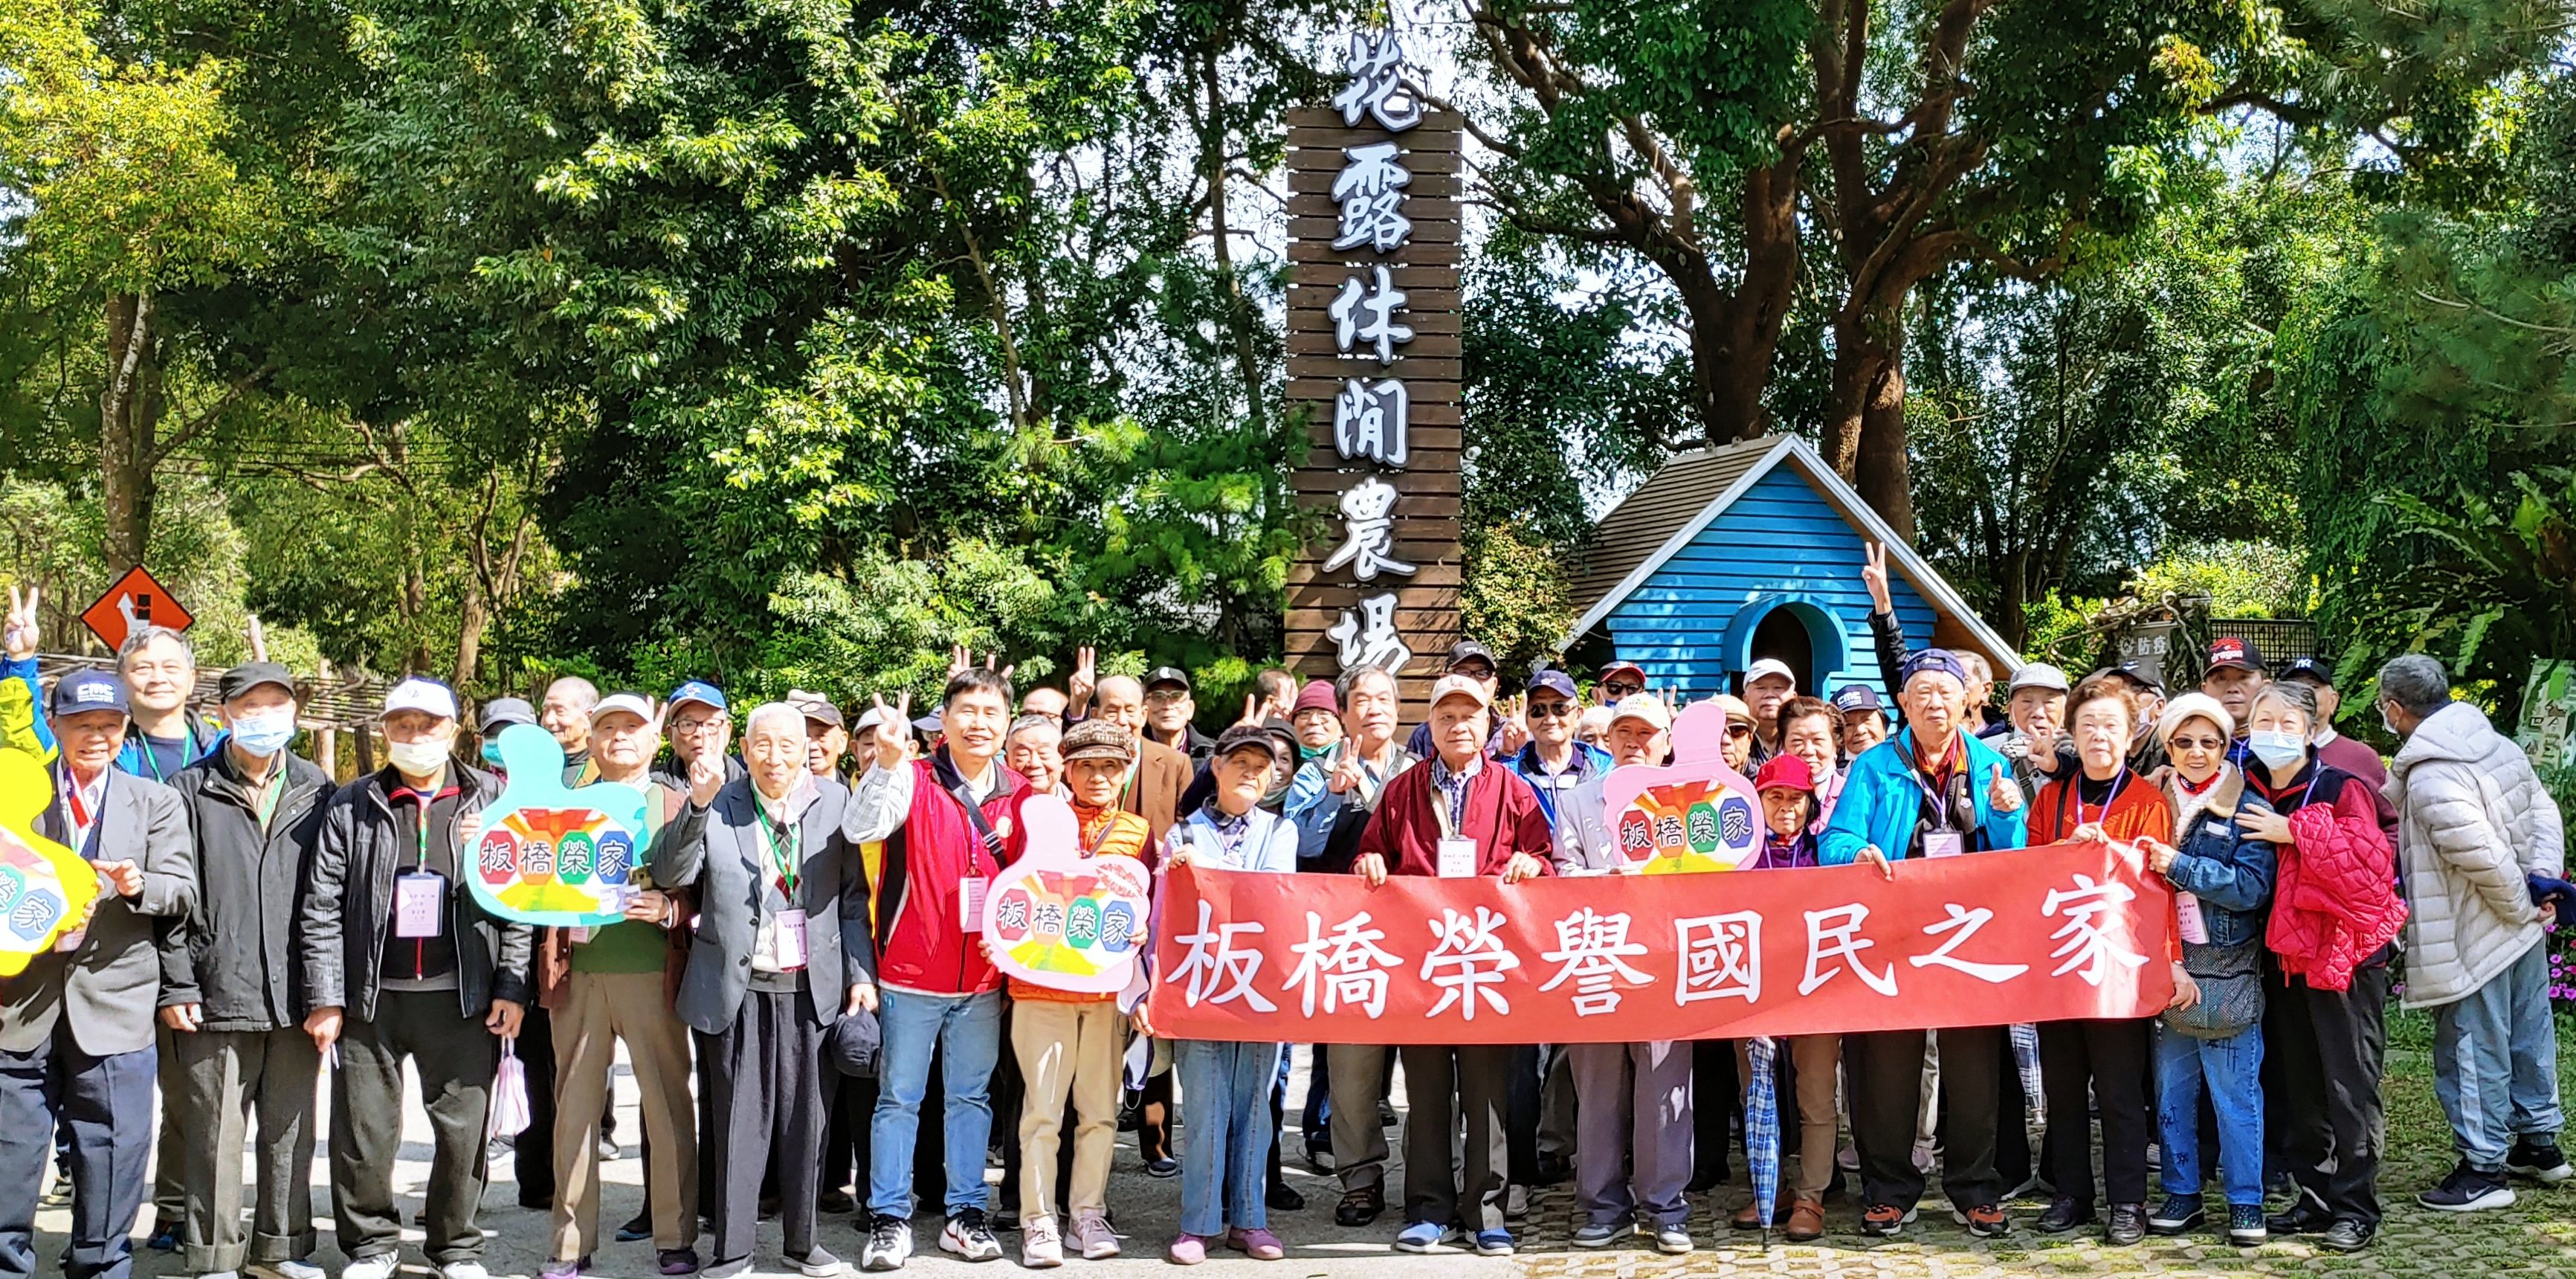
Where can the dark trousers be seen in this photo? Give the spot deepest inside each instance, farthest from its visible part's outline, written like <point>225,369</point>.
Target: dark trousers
<point>1520,1116</point>
<point>2333,1124</point>
<point>771,1091</point>
<point>1714,1082</point>
<point>455,1058</point>
<point>1884,1071</point>
<point>2012,1125</point>
<point>2116,1059</point>
<point>106,1105</point>
<point>1446,1085</point>
<point>1313,1121</point>
<point>254,1087</point>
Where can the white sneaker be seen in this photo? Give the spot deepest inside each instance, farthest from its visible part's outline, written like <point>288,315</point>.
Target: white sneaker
<point>967,1236</point>
<point>464,1270</point>
<point>284,1270</point>
<point>1091,1234</point>
<point>889,1244</point>
<point>379,1266</point>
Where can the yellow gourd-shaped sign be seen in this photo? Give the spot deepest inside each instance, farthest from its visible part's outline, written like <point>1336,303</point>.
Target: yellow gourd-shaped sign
<point>45,888</point>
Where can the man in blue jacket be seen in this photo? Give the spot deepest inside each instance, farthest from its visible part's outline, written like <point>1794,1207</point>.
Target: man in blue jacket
<point>1933,790</point>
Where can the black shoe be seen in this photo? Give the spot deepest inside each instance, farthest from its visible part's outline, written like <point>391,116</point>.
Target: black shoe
<point>1319,1158</point>
<point>834,1201</point>
<point>2308,1216</point>
<point>2348,1235</point>
<point>1553,1170</point>
<point>2245,1227</point>
<point>1284,1198</point>
<point>1360,1207</point>
<point>2064,1214</point>
<point>2127,1226</point>
<point>1165,1167</point>
<point>2536,1158</point>
<point>2180,1215</point>
<point>641,1228</point>
<point>1386,1114</point>
<point>2468,1190</point>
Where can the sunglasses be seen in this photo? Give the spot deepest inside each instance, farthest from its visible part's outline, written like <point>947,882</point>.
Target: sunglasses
<point>1734,729</point>
<point>1551,710</point>
<point>2197,743</point>
<point>1621,689</point>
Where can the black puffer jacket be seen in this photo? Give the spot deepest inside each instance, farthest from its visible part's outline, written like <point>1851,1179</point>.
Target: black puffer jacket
<point>231,955</point>
<point>349,901</point>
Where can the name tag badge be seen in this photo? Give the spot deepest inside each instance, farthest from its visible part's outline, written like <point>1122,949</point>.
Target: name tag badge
<point>788,946</point>
<point>2216,828</point>
<point>2188,920</point>
<point>581,935</point>
<point>1457,858</point>
<point>1944,843</point>
<point>970,903</point>
<point>419,896</point>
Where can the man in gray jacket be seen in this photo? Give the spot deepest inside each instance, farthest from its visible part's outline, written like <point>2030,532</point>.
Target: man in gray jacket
<point>227,991</point>
<point>782,952</point>
<point>76,1026</point>
<point>399,961</point>
<point>2474,826</point>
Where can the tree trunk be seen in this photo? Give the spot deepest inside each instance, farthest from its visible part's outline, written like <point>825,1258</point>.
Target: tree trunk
<point>2012,596</point>
<point>129,420</point>
<point>1239,317</point>
<point>1864,429</point>
<point>1735,333</point>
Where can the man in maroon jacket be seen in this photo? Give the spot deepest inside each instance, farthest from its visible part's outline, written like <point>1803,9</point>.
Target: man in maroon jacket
<point>1460,816</point>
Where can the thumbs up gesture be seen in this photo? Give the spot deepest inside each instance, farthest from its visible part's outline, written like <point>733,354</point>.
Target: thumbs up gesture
<point>2002,793</point>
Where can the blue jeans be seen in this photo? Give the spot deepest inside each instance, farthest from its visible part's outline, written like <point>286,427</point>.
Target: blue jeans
<point>967,1032</point>
<point>1226,1156</point>
<point>2234,1068</point>
<point>2495,1058</point>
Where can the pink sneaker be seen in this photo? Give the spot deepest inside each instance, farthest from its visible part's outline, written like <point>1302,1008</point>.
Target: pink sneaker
<point>1260,1245</point>
<point>1189,1250</point>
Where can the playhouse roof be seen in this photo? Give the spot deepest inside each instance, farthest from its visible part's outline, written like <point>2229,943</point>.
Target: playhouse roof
<point>1677,503</point>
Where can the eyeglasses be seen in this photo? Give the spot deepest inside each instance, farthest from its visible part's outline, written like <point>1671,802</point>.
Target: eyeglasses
<point>2197,743</point>
<point>1621,689</point>
<point>1550,710</point>
<point>1165,696</point>
<point>1736,728</point>
<point>1478,671</point>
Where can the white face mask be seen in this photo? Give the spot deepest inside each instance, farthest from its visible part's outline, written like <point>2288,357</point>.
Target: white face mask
<point>417,759</point>
<point>2387,723</point>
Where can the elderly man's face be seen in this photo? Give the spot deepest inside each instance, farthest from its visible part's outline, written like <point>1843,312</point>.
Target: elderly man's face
<point>2234,689</point>
<point>1120,702</point>
<point>774,748</point>
<point>622,742</point>
<point>1317,729</point>
<point>2037,712</point>
<point>699,731</point>
<point>159,676</point>
<point>1038,755</point>
<point>1370,716</point>
<point>972,722</point>
<point>1935,701</point>
<point>1634,741</point>
<point>566,714</point>
<point>1764,695</point>
<point>1044,701</point>
<point>825,743</point>
<point>1242,777</point>
<point>1862,730</point>
<point>91,739</point>
<point>1169,707</point>
<point>1458,729</point>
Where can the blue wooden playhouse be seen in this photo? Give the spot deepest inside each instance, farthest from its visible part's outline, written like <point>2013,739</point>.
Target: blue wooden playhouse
<point>1754,550</point>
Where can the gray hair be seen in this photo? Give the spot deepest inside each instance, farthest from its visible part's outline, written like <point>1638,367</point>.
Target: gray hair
<point>584,693</point>
<point>2294,694</point>
<point>142,639</point>
<point>774,711</point>
<point>2415,682</point>
<point>1027,722</point>
<point>1351,679</point>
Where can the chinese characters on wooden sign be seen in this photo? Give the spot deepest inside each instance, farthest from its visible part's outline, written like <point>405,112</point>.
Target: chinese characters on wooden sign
<point>1373,367</point>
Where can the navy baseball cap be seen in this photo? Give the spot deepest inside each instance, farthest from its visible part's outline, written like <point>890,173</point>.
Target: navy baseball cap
<point>2311,670</point>
<point>1557,682</point>
<point>1939,661</point>
<point>83,691</point>
<point>1851,699</point>
<point>699,691</point>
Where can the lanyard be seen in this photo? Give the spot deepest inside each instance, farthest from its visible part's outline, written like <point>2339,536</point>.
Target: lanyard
<point>76,815</point>
<point>782,852</point>
<point>187,744</point>
<point>420,828</point>
<point>272,793</point>
<point>2118,784</point>
<point>1933,795</point>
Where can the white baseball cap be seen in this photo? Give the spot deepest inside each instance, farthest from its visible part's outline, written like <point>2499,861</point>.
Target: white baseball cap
<point>1645,706</point>
<point>1450,686</point>
<point>1770,666</point>
<point>416,693</point>
<point>631,703</point>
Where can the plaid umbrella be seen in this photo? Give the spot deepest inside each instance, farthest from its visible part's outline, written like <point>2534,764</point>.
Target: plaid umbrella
<point>1762,1125</point>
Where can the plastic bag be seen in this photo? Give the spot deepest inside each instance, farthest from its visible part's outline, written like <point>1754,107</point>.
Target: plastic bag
<point>510,1093</point>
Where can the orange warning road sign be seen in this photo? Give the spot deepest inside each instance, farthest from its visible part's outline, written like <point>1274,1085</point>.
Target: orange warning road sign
<point>135,601</point>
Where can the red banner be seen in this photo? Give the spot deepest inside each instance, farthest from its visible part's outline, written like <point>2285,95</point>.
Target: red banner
<point>2040,934</point>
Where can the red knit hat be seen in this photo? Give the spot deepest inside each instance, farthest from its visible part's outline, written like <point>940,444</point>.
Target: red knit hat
<point>1785,772</point>
<point>1318,695</point>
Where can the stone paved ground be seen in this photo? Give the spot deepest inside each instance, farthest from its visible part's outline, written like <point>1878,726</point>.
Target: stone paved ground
<point>2538,1235</point>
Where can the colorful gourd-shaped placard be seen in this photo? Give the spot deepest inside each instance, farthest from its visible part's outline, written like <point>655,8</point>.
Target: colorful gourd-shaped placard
<point>552,855</point>
<point>1059,919</point>
<point>1694,814</point>
<point>45,888</point>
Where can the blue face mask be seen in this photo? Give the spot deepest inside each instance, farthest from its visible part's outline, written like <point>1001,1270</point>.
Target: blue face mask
<point>492,753</point>
<point>265,734</point>
<point>2278,749</point>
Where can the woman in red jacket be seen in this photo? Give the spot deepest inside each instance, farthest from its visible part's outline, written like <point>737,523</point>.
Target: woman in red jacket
<point>2108,1059</point>
<point>2335,913</point>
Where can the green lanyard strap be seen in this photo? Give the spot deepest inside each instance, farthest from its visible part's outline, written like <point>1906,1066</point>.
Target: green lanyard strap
<point>782,847</point>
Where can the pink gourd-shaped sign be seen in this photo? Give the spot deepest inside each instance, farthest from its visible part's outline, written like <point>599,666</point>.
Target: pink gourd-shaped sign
<point>1061,918</point>
<point>1694,814</point>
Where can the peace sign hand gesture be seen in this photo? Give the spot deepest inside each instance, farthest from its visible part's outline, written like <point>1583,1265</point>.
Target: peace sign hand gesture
<point>21,629</point>
<point>1873,574</point>
<point>893,733</point>
<point>1086,676</point>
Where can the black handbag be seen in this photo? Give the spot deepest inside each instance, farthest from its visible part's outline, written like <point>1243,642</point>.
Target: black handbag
<point>2231,990</point>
